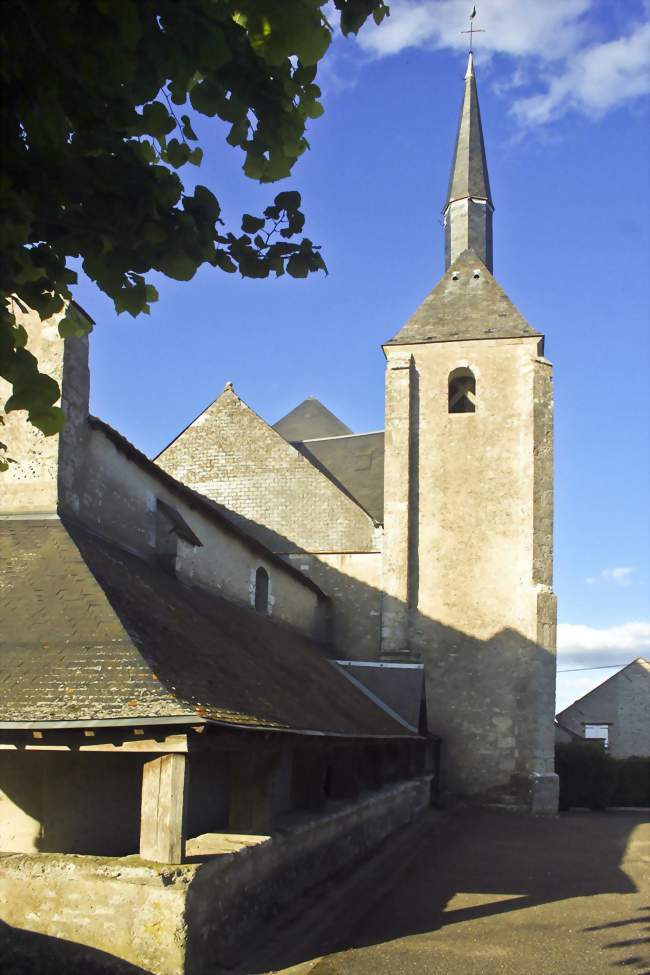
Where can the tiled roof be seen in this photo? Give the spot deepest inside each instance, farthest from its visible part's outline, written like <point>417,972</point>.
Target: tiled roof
<point>93,633</point>
<point>354,463</point>
<point>467,303</point>
<point>310,419</point>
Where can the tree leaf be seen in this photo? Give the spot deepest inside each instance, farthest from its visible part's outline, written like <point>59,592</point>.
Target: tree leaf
<point>288,200</point>
<point>250,225</point>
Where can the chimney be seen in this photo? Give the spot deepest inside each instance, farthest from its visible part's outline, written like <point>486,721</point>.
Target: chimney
<point>45,477</point>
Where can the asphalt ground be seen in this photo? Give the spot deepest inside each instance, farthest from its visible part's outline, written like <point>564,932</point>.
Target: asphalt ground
<point>499,893</point>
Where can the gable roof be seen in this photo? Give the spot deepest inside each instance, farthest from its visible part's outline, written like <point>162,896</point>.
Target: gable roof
<point>464,306</point>
<point>92,633</point>
<point>232,455</point>
<point>355,463</point>
<point>308,420</point>
<point>639,662</point>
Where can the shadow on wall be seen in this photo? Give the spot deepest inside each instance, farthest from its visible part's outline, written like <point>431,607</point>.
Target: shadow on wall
<point>477,689</point>
<point>26,953</point>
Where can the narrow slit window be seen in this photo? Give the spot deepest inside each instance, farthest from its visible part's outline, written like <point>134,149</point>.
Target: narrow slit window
<point>462,391</point>
<point>261,591</point>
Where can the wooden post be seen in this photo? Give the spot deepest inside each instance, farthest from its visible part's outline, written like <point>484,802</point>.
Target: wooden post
<point>250,792</point>
<point>162,832</point>
<point>308,778</point>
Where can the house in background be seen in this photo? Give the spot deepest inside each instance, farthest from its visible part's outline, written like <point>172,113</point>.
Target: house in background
<point>617,712</point>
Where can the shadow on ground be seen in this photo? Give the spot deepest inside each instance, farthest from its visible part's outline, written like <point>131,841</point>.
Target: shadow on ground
<point>28,953</point>
<point>483,864</point>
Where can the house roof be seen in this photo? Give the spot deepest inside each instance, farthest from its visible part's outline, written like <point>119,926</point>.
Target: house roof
<point>93,634</point>
<point>467,303</point>
<point>216,512</point>
<point>355,463</point>
<point>310,419</point>
<point>639,662</point>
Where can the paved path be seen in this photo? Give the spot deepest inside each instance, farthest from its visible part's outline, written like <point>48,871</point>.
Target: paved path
<point>498,893</point>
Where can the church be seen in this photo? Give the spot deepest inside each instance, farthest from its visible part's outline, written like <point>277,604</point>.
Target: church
<point>260,653</point>
<point>433,537</point>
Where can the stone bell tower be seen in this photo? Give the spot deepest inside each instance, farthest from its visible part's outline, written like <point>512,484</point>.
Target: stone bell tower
<point>468,507</point>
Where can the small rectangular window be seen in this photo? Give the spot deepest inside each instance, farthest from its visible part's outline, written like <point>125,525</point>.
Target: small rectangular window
<point>598,732</point>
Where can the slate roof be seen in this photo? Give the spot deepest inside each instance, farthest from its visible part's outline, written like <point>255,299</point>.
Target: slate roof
<point>400,686</point>
<point>463,306</point>
<point>310,419</point>
<point>91,633</point>
<point>355,463</point>
<point>469,172</point>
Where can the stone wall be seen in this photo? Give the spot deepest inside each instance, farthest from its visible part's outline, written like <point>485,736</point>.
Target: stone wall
<point>118,499</point>
<point>189,919</point>
<point>353,582</point>
<point>89,802</point>
<point>479,571</point>
<point>81,803</point>
<point>46,468</point>
<point>232,456</point>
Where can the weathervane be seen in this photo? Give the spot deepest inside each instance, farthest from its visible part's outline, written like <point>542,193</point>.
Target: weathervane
<point>472,30</point>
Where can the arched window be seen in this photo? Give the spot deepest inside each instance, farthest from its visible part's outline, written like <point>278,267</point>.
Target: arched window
<point>261,591</point>
<point>462,391</point>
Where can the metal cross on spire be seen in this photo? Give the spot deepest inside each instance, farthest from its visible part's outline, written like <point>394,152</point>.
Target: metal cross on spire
<point>472,30</point>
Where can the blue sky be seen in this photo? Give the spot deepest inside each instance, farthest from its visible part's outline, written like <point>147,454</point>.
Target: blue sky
<point>563,87</point>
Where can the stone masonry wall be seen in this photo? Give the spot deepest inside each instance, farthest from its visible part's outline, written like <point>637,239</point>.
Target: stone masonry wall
<point>118,499</point>
<point>185,919</point>
<point>46,467</point>
<point>482,513</point>
<point>232,456</point>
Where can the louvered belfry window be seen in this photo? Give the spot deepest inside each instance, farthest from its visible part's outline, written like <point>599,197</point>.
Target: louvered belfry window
<point>462,391</point>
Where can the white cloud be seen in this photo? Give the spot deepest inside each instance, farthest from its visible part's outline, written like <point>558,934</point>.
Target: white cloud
<point>621,575</point>
<point>590,645</point>
<point>554,48</point>
<point>515,27</point>
<point>594,81</point>
<point>584,647</point>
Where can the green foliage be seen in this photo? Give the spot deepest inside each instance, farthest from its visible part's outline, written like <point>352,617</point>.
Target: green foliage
<point>94,103</point>
<point>587,774</point>
<point>633,784</point>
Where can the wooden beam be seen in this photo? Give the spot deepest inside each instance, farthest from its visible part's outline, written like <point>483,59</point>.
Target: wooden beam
<point>81,743</point>
<point>162,823</point>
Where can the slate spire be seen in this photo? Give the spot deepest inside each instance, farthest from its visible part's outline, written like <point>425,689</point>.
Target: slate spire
<point>468,210</point>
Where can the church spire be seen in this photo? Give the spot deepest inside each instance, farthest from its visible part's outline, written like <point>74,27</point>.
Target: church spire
<point>468,210</point>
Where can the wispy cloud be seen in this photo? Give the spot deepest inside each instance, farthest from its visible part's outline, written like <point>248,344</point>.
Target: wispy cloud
<point>590,646</point>
<point>594,81</point>
<point>516,27</point>
<point>622,575</point>
<point>556,50</point>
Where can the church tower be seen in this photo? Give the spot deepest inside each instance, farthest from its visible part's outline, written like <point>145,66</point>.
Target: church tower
<point>467,565</point>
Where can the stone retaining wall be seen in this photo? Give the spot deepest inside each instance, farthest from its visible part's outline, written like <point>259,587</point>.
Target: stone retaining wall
<point>187,919</point>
